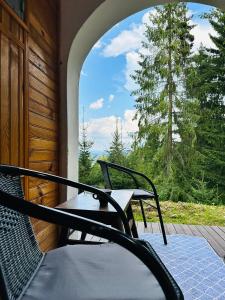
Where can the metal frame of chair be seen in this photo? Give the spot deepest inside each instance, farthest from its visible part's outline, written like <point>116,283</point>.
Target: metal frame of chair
<point>17,271</point>
<point>105,166</point>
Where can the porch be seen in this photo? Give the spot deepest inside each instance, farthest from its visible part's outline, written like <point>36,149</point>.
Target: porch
<point>215,235</point>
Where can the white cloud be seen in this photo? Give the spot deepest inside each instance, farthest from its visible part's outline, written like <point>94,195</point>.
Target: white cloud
<point>129,43</point>
<point>129,125</point>
<point>201,34</point>
<point>98,45</point>
<point>100,130</point>
<point>97,104</point>
<point>131,65</point>
<point>111,97</point>
<point>126,41</point>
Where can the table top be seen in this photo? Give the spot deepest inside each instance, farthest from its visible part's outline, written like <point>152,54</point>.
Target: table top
<point>86,202</point>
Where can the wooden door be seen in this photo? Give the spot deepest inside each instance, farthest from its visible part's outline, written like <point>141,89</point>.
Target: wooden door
<point>29,101</point>
<point>12,53</point>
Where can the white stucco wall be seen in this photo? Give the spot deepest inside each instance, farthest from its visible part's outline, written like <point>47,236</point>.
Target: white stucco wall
<point>78,39</point>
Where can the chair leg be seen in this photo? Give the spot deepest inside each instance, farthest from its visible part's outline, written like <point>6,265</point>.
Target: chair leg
<point>143,213</point>
<point>161,220</point>
<point>83,236</point>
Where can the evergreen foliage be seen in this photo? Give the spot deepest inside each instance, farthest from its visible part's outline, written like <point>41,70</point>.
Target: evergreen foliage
<point>180,104</point>
<point>164,112</point>
<point>208,85</point>
<point>85,159</point>
<point>116,152</point>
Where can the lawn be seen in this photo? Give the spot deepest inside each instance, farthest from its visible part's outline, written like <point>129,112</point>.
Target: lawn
<point>184,213</point>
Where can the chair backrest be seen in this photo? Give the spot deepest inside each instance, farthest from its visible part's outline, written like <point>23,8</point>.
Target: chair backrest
<point>117,177</point>
<point>19,252</point>
<point>105,173</point>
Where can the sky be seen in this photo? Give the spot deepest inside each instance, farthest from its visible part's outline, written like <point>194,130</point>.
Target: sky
<point>105,83</point>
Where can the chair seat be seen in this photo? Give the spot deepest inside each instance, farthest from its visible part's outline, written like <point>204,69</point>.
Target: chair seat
<point>142,194</point>
<point>99,272</point>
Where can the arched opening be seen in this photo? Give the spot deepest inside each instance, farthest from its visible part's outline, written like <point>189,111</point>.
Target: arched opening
<point>107,14</point>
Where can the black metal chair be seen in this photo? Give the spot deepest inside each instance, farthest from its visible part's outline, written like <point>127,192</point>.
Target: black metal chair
<point>139,193</point>
<point>78,272</point>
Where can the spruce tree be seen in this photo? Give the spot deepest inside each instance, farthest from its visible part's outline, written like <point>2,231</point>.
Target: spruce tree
<point>163,108</point>
<point>85,159</point>
<point>116,152</point>
<point>208,85</point>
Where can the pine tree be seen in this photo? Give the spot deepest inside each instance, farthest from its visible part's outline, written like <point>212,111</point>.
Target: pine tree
<point>116,152</point>
<point>208,85</point>
<point>161,100</point>
<point>85,159</point>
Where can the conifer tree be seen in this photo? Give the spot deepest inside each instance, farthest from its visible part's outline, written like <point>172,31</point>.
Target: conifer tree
<point>116,150</point>
<point>208,85</point>
<point>85,159</point>
<point>161,99</point>
<point>116,154</point>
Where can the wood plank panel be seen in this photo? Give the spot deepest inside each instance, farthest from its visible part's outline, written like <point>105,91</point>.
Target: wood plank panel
<point>50,241</point>
<point>41,133</point>
<point>42,32</point>
<point>29,99</point>
<point>215,236</point>
<point>43,155</point>
<point>41,76</point>
<point>48,231</point>
<point>41,121</point>
<point>44,166</point>
<point>40,144</point>
<point>42,110</point>
<point>170,229</point>
<point>42,99</point>
<point>41,65</point>
<point>42,88</point>
<point>22,107</point>
<point>47,58</point>
<point>14,93</point>
<point>195,230</point>
<point>42,189</point>
<point>5,101</point>
<point>47,200</point>
<point>35,182</point>
<point>42,42</point>
<point>219,231</point>
<point>46,19</point>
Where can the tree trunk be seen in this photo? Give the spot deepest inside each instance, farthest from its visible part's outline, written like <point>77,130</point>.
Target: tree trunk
<point>170,96</point>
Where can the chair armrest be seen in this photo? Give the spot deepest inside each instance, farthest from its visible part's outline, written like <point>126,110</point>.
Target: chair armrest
<point>17,171</point>
<point>105,170</point>
<point>82,224</point>
<point>130,172</point>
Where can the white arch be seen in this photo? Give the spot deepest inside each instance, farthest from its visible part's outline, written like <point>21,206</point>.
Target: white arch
<point>102,19</point>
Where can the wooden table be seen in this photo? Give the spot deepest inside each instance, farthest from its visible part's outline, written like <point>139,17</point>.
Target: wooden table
<point>86,206</point>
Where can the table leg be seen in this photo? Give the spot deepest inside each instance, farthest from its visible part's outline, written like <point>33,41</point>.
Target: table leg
<point>130,216</point>
<point>63,236</point>
<point>118,224</point>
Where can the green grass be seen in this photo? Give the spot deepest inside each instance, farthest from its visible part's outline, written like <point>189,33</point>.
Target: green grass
<point>184,213</point>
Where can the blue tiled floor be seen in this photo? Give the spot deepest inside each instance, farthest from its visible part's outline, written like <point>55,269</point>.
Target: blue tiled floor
<point>198,270</point>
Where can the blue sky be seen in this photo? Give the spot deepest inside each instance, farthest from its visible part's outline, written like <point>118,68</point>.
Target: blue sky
<point>105,83</point>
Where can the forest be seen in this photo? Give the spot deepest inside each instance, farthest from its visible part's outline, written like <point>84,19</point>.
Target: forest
<point>180,109</point>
